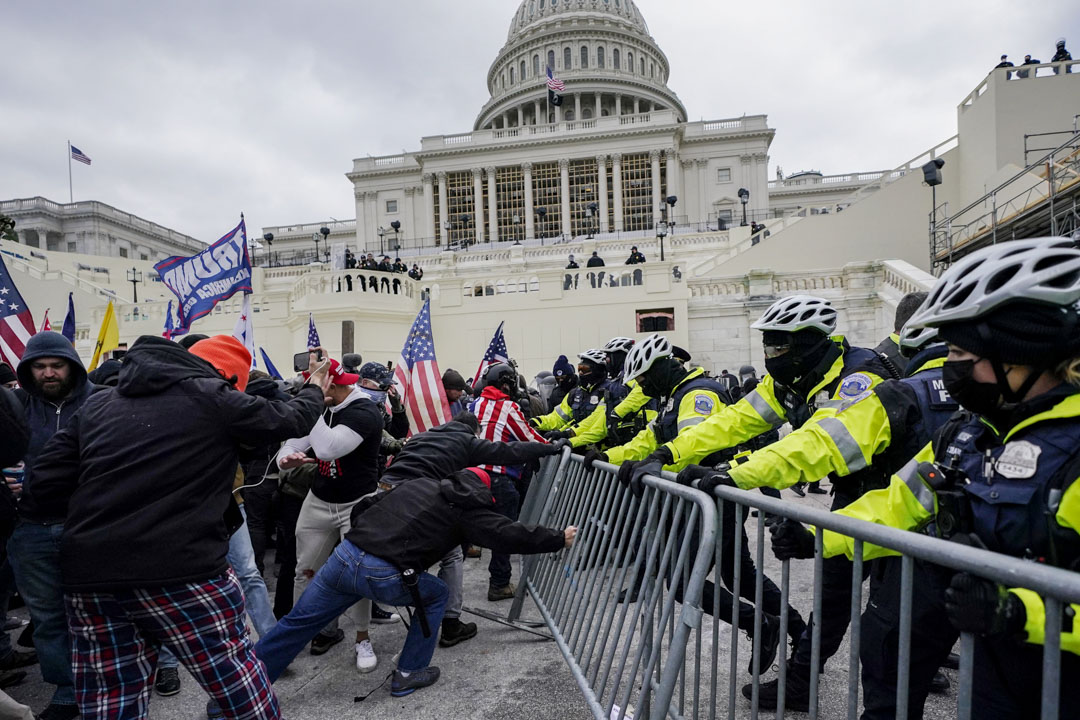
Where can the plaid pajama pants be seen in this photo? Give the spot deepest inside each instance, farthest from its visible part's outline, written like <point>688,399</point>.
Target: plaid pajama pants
<point>116,637</point>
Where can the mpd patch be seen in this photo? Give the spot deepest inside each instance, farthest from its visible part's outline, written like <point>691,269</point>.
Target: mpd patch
<point>703,405</point>
<point>855,385</point>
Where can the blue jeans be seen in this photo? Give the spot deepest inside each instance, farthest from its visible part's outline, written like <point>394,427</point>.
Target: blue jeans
<point>506,504</point>
<point>241,557</point>
<point>351,574</point>
<point>34,553</point>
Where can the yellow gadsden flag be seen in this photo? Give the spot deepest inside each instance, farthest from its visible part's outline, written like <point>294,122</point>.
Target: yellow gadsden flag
<point>109,337</point>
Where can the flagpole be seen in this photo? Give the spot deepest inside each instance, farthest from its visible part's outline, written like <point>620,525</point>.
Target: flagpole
<point>71,193</point>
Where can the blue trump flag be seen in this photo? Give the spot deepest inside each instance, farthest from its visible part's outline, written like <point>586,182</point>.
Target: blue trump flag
<point>202,281</point>
<point>69,321</point>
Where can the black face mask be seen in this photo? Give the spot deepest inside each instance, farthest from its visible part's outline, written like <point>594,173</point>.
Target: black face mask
<point>980,398</point>
<point>786,368</point>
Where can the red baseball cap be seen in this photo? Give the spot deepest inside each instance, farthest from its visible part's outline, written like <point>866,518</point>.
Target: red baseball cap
<point>482,474</point>
<point>338,376</point>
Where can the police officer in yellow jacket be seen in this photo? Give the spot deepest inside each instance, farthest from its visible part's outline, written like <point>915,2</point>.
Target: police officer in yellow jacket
<point>625,409</point>
<point>1002,475</point>
<point>810,376</point>
<point>885,428</point>
<point>581,401</point>
<point>686,399</point>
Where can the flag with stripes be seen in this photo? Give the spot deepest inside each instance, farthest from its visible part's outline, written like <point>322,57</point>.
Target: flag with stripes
<point>496,353</point>
<point>417,377</point>
<point>312,333</point>
<point>243,330</point>
<point>46,326</point>
<point>16,322</point>
<point>77,154</point>
<point>554,86</point>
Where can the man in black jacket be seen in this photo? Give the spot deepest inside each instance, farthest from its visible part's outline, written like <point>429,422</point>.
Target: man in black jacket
<point>54,388</point>
<point>395,536</point>
<point>146,467</point>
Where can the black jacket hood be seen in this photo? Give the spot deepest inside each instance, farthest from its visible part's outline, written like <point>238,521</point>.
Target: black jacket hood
<point>465,490</point>
<point>154,364</point>
<point>50,344</point>
<point>266,388</point>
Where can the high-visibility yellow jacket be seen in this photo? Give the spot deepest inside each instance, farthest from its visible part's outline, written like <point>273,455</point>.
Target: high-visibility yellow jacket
<point>853,374</point>
<point>694,407</point>
<point>557,419</point>
<point>593,429</point>
<point>910,502</point>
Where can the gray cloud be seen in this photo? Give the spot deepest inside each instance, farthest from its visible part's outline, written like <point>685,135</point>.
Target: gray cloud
<point>197,111</point>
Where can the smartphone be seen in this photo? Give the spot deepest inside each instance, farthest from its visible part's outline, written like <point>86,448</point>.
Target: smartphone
<point>300,360</point>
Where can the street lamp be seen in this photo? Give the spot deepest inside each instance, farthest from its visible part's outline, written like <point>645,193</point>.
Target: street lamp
<point>396,225</point>
<point>382,233</point>
<point>671,200</point>
<point>661,232</point>
<point>465,228</point>
<point>269,238</point>
<point>744,197</point>
<point>592,209</point>
<point>541,214</point>
<point>517,229</point>
<point>134,277</point>
<point>325,232</point>
<point>447,226</point>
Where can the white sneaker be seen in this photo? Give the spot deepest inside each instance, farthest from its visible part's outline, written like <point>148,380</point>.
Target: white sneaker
<point>365,656</point>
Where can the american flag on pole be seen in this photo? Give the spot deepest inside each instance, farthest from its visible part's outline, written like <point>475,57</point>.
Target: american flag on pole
<point>16,322</point>
<point>417,376</point>
<point>312,333</point>
<point>496,353</point>
<point>77,154</point>
<point>243,330</point>
<point>554,83</point>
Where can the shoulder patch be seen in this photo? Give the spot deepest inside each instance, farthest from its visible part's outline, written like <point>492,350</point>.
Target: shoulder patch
<point>854,385</point>
<point>703,404</point>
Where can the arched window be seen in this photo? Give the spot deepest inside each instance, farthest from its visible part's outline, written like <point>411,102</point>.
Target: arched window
<point>652,70</point>
<point>536,66</point>
<point>642,67</point>
<point>551,59</point>
<point>584,56</point>
<point>541,4</point>
<point>511,76</point>
<point>568,115</point>
<point>600,57</point>
<point>521,71</point>
<point>615,59</point>
<point>630,62</point>
<point>502,80</point>
<point>586,114</point>
<point>566,58</point>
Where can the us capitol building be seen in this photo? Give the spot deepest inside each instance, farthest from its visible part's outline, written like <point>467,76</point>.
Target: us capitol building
<point>492,215</point>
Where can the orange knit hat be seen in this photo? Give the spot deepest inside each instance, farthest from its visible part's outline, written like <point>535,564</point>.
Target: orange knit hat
<point>228,356</point>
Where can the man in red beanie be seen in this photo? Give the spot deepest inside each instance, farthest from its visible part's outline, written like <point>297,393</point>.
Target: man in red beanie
<point>149,465</point>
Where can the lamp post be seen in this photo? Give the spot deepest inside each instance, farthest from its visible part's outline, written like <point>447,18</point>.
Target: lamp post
<point>315,237</point>
<point>447,227</point>
<point>382,234</point>
<point>465,228</point>
<point>671,200</point>
<point>269,238</point>
<point>517,229</point>
<point>592,209</point>
<point>134,277</point>
<point>744,197</point>
<point>661,232</point>
<point>396,225</point>
<point>932,177</point>
<point>325,232</point>
<point>541,215</point>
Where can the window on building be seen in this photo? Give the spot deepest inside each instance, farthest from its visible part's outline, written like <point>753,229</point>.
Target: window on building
<point>724,216</point>
<point>723,175</point>
<point>71,246</point>
<point>642,67</point>
<point>584,56</point>
<point>123,252</point>
<point>652,70</point>
<point>144,256</point>
<point>630,62</point>
<point>615,59</point>
<point>656,320</point>
<point>566,58</point>
<point>568,115</point>
<point>600,57</point>
<point>536,66</point>
<point>391,206</point>
<point>586,114</point>
<point>521,71</point>
<point>551,59</point>
<point>637,192</point>
<point>511,76</point>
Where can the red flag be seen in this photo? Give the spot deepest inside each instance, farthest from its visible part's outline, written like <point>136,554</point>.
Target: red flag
<point>417,377</point>
<point>46,326</point>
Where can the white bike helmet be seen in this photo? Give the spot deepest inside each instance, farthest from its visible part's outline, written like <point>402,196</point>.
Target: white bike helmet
<point>912,339</point>
<point>644,355</point>
<point>594,356</point>
<point>618,344</point>
<point>1039,270</point>
<point>798,312</point>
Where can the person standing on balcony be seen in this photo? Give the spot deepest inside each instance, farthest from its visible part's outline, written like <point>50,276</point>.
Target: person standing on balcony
<point>595,278</point>
<point>1004,63</point>
<point>571,265</point>
<point>1061,54</point>
<point>636,258</point>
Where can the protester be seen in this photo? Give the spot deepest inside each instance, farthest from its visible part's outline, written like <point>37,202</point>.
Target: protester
<point>148,465</point>
<point>7,377</point>
<point>455,389</point>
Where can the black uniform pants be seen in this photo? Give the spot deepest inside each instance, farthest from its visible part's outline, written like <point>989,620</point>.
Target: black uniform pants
<point>1008,680</point>
<point>835,601</point>
<point>259,504</point>
<point>285,550</point>
<point>932,637</point>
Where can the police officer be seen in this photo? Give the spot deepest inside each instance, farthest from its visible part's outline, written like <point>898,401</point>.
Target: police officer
<point>1002,474</point>
<point>886,427</point>
<point>889,348</point>
<point>580,402</point>
<point>687,398</point>
<point>809,372</point>
<point>626,409</point>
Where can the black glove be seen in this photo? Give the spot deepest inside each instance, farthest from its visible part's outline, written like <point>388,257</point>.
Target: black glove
<point>692,473</point>
<point>661,455</point>
<point>641,469</point>
<point>790,540</point>
<point>558,445</point>
<point>983,607</point>
<point>592,456</point>
<point>715,479</point>
<point>555,434</point>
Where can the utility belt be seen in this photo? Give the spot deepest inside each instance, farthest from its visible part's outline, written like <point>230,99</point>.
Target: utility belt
<point>622,430</point>
<point>954,516</point>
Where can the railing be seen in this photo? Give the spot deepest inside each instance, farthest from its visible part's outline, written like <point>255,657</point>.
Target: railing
<point>1036,185</point>
<point>800,183</point>
<point>1020,72</point>
<point>625,603</point>
<point>371,282</point>
<point>914,164</point>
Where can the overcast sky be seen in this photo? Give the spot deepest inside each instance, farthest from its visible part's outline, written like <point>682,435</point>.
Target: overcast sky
<point>193,112</point>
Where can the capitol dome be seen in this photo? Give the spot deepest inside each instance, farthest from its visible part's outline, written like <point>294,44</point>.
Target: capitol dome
<point>600,49</point>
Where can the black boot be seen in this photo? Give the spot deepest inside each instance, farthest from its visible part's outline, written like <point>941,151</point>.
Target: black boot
<point>455,631</point>
<point>797,691</point>
<point>770,641</point>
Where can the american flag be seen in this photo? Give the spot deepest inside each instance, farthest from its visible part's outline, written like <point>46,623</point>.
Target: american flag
<point>312,333</point>
<point>46,326</point>
<point>417,376</point>
<point>243,330</point>
<point>16,322</point>
<point>496,353</point>
<point>554,83</point>
<point>77,154</point>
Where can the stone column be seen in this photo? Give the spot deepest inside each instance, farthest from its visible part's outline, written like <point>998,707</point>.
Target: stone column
<point>478,203</point>
<point>530,225</point>
<point>521,115</point>
<point>637,106</point>
<point>671,172</point>
<point>493,205</point>
<point>618,105</point>
<point>429,207</point>
<point>564,195</point>
<point>361,219</point>
<point>703,201</point>
<point>410,212</point>
<point>693,211</point>
<point>443,210</point>
<point>654,180</point>
<point>601,177</point>
<point>537,118</point>
<point>596,113</point>
<point>577,106</point>
<point>616,181</point>
<point>371,212</point>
